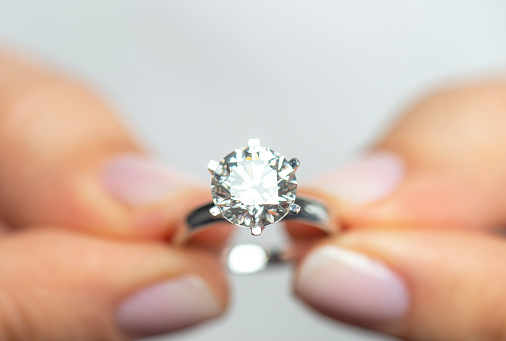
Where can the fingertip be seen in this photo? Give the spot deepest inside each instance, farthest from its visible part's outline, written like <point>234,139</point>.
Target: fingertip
<point>412,283</point>
<point>357,191</point>
<point>351,287</point>
<point>138,180</point>
<point>192,292</point>
<point>368,179</point>
<point>118,289</point>
<point>168,306</point>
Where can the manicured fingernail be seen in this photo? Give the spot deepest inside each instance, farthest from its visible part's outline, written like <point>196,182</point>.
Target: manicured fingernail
<point>137,180</point>
<point>168,306</point>
<point>365,180</point>
<point>351,287</point>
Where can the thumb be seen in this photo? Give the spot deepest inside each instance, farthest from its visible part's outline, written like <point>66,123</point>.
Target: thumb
<point>442,163</point>
<point>414,284</point>
<point>62,285</point>
<point>68,160</point>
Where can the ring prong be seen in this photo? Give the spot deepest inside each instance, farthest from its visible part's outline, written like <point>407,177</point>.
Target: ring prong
<point>295,163</point>
<point>215,211</point>
<point>253,142</point>
<point>294,208</point>
<point>212,166</point>
<point>256,231</point>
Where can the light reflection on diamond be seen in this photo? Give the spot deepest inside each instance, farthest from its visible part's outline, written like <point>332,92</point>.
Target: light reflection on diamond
<point>254,183</point>
<point>254,186</point>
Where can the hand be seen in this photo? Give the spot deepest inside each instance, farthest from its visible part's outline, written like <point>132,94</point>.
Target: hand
<point>85,248</point>
<point>420,258</point>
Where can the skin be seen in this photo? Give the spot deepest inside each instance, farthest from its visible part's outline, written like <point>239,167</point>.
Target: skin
<point>55,212</point>
<point>439,229</point>
<point>53,209</point>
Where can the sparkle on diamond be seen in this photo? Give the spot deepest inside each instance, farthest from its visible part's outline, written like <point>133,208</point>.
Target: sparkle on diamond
<point>254,183</point>
<point>254,186</point>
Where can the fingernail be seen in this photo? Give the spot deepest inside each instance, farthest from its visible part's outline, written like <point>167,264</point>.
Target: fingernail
<point>351,287</point>
<point>368,179</point>
<point>138,180</point>
<point>168,306</point>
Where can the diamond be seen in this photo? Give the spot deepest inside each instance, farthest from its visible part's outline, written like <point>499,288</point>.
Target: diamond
<point>254,187</point>
<point>254,183</point>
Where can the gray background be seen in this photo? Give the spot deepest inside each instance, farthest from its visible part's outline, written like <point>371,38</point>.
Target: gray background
<point>314,79</point>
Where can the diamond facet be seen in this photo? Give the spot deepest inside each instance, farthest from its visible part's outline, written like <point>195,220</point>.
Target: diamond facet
<point>254,187</point>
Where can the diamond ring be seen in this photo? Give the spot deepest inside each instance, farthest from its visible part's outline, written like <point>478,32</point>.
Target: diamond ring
<point>255,187</point>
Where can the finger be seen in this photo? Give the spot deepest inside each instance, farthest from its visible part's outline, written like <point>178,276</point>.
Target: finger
<point>66,159</point>
<point>443,163</point>
<point>413,284</point>
<point>4,228</point>
<point>214,238</point>
<point>61,285</point>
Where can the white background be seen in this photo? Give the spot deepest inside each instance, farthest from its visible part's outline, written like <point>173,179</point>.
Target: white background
<point>314,79</point>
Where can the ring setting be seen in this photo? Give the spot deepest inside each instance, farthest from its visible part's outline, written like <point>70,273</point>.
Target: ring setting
<point>254,187</point>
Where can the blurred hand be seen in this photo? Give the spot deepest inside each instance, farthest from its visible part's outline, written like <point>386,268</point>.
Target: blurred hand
<point>85,250</point>
<point>419,258</point>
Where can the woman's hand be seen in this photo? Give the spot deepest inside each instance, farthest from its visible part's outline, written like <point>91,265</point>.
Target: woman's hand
<point>421,258</point>
<point>85,250</point>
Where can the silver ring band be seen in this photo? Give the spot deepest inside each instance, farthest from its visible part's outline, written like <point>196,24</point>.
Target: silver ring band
<point>252,258</point>
<point>311,211</point>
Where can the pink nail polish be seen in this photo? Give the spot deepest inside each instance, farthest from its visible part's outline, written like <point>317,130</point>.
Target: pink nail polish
<point>137,180</point>
<point>369,179</point>
<point>351,287</point>
<point>168,306</point>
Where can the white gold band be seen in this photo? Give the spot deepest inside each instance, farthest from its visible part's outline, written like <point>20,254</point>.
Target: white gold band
<point>252,258</point>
